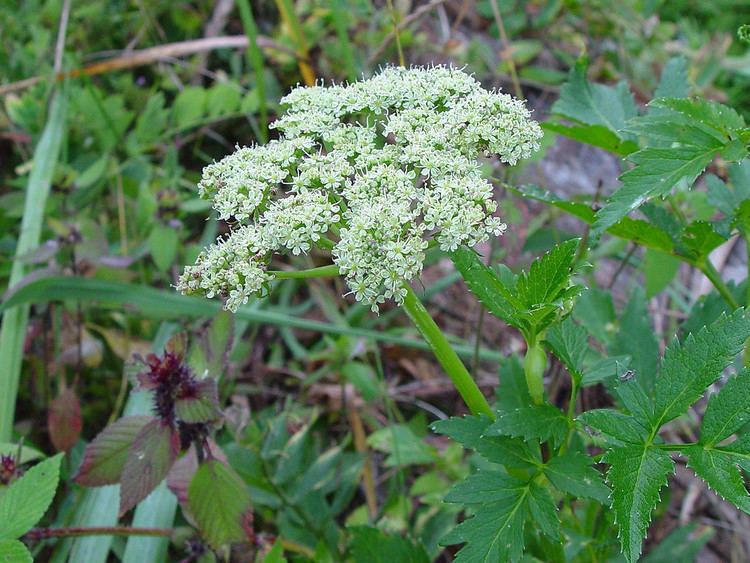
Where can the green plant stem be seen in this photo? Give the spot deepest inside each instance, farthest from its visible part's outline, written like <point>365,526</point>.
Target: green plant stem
<point>445,354</point>
<point>715,278</point>
<point>575,387</point>
<point>44,533</point>
<point>329,271</point>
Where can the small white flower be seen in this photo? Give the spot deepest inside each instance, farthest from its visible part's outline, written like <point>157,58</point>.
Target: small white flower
<point>390,162</point>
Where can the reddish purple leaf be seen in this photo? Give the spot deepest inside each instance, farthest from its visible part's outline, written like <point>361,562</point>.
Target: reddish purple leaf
<point>105,456</point>
<point>201,404</point>
<point>149,460</point>
<point>64,420</point>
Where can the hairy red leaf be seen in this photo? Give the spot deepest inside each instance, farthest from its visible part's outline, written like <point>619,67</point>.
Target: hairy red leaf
<point>105,456</point>
<point>149,460</point>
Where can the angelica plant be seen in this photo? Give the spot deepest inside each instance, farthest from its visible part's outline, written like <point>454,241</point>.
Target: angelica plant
<point>375,172</point>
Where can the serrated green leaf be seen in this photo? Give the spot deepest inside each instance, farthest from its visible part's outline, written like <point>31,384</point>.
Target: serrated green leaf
<point>573,473</point>
<point>486,285</point>
<point>720,472</point>
<point>220,504</point>
<point>674,81</point>
<point>616,424</point>
<point>636,338</point>
<point>13,551</point>
<point>636,474</point>
<point>370,545</point>
<point>536,422</point>
<point>723,122</point>
<point>466,430</point>
<point>569,342</point>
<point>594,104</point>
<point>548,275</point>
<point>485,487</point>
<point>727,411</point>
<point>657,171</point>
<point>494,533</point>
<point>635,230</point>
<point>543,510</point>
<point>148,461</point>
<point>689,367</point>
<point>594,135</point>
<point>105,456</point>
<point>511,452</point>
<point>698,240</point>
<point>512,392</point>
<point>24,502</point>
<point>605,370</point>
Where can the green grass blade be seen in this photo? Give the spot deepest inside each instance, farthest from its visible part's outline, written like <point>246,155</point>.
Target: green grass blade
<point>255,57</point>
<point>14,321</point>
<point>161,304</point>
<point>339,13</point>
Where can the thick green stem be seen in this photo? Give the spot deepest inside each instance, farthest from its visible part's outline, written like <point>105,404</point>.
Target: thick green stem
<point>713,276</point>
<point>329,271</point>
<point>445,354</point>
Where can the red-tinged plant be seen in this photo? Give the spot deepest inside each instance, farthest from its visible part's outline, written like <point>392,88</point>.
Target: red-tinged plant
<point>139,451</point>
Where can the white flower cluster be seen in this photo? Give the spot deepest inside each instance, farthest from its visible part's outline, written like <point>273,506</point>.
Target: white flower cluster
<point>385,165</point>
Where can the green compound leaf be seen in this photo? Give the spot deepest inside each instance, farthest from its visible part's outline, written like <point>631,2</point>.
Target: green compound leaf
<point>487,285</point>
<point>105,456</point>
<point>616,424</point>
<point>220,504</point>
<point>13,551</point>
<point>657,171</point>
<point>548,276</point>
<point>537,422</point>
<point>688,368</point>
<point>720,472</point>
<point>573,473</point>
<point>466,430</point>
<point>595,135</point>
<point>703,130</point>
<point>370,545</point>
<point>594,104</point>
<point>636,474</point>
<point>569,342</point>
<point>530,300</point>
<point>543,510</point>
<point>24,502</point>
<point>727,411</point>
<point>511,452</point>
<point>149,459</point>
<point>485,487</point>
<point>495,532</point>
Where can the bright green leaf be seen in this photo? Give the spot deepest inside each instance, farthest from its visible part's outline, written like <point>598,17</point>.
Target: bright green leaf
<point>573,473</point>
<point>24,502</point>
<point>636,474</point>
<point>720,472</point>
<point>727,411</point>
<point>220,504</point>
<point>13,551</point>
